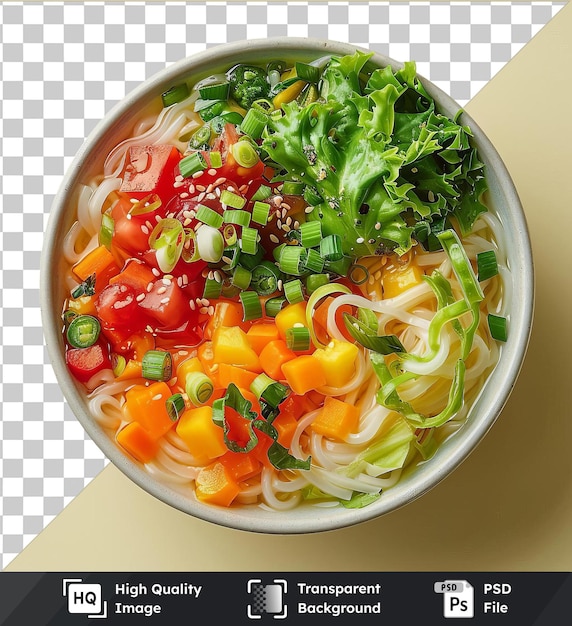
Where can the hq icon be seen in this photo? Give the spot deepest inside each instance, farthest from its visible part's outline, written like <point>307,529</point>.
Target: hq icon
<point>84,598</point>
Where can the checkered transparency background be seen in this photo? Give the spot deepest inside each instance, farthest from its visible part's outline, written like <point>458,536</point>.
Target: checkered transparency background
<point>63,66</point>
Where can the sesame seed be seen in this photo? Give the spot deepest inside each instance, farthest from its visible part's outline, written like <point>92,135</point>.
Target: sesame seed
<point>211,309</point>
<point>286,228</point>
<point>371,280</point>
<point>158,218</point>
<point>217,191</point>
<point>360,240</point>
<point>180,281</point>
<point>274,238</point>
<point>183,352</point>
<point>286,206</point>
<point>183,195</point>
<point>133,200</point>
<point>219,181</point>
<point>212,171</point>
<point>144,229</point>
<point>377,226</point>
<point>201,196</point>
<point>179,178</point>
<point>191,188</point>
<point>128,216</point>
<point>177,184</point>
<point>277,200</point>
<point>166,281</point>
<point>210,275</point>
<point>161,290</point>
<point>198,174</point>
<point>377,275</point>
<point>149,286</point>
<point>308,209</point>
<point>243,188</point>
<point>185,279</point>
<point>284,213</point>
<point>149,225</point>
<point>204,273</point>
<point>165,300</point>
<point>289,221</point>
<point>278,223</point>
<point>296,224</point>
<point>217,276</point>
<point>148,328</point>
<point>205,302</point>
<point>204,310</point>
<point>140,297</point>
<point>211,196</point>
<point>298,325</point>
<point>157,396</point>
<point>192,304</point>
<point>187,222</point>
<point>155,271</point>
<point>201,188</point>
<point>279,284</point>
<point>227,260</point>
<point>231,188</point>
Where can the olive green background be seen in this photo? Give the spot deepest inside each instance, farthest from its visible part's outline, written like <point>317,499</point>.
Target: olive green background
<point>508,507</point>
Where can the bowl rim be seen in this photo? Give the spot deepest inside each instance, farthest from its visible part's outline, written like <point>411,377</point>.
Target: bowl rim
<point>320,520</point>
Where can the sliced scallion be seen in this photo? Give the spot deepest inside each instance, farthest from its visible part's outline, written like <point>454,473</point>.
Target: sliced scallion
<point>269,390</point>
<point>210,243</point>
<point>198,387</point>
<point>236,216</point>
<point>208,216</point>
<point>277,251</point>
<point>298,338</point>
<point>215,91</point>
<point>231,199</point>
<point>175,94</point>
<point>157,365</point>
<point>313,281</point>
<point>190,252</point>
<point>358,274</point>
<point>311,234</point>
<point>487,265</point>
<point>167,239</point>
<point>249,241</point>
<point>106,230</point>
<point>341,267</point>
<point>331,248</point>
<point>175,406</point>
<point>291,260</point>
<point>230,235</point>
<point>148,204</point>
<point>241,277</point>
<point>201,138</point>
<point>262,104</point>
<point>215,159</point>
<point>191,164</point>
<point>313,261</point>
<point>273,306</point>
<point>83,331</point>
<point>212,289</point>
<point>260,212</point>
<point>254,123</point>
<point>293,291</point>
<point>245,154</point>
<point>250,261</point>
<point>118,364</point>
<point>498,327</point>
<point>265,278</point>
<point>251,306</point>
<point>292,188</point>
<point>262,193</point>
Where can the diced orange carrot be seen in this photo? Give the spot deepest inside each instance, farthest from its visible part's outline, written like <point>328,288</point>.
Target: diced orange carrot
<point>215,485</point>
<point>136,274</point>
<point>204,439</point>
<point>205,354</point>
<point>136,440</point>
<point>303,374</point>
<point>231,374</point>
<point>147,405</point>
<point>291,315</point>
<point>273,357</point>
<point>133,369</point>
<point>136,345</point>
<point>260,334</point>
<point>320,319</point>
<point>337,419</point>
<point>241,465</point>
<point>99,262</point>
<point>286,424</point>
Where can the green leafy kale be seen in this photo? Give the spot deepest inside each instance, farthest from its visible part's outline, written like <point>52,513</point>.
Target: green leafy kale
<point>387,166</point>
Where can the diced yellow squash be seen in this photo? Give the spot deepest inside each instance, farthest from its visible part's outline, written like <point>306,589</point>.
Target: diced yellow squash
<point>338,360</point>
<point>289,316</point>
<point>204,439</point>
<point>396,279</point>
<point>192,364</point>
<point>230,345</point>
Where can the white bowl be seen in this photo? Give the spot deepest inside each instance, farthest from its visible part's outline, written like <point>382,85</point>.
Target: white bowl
<point>504,202</point>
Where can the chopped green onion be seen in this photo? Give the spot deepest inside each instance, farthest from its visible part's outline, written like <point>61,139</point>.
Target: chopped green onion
<point>198,387</point>
<point>312,197</point>
<point>190,252</point>
<point>293,291</point>
<point>249,241</point>
<point>250,261</point>
<point>290,261</point>
<point>231,256</point>
<point>277,251</point>
<point>157,365</point>
<point>340,267</point>
<point>106,230</point>
<point>232,200</point>
<point>208,216</point>
<point>262,193</point>
<point>309,73</point>
<point>273,306</point>
<point>331,248</point>
<point>269,390</point>
<point>167,239</point>
<point>252,309</point>
<point>229,234</point>
<point>254,123</point>
<point>215,91</point>
<point>313,261</point>
<point>175,94</point>
<point>298,338</point>
<point>262,104</point>
<point>368,338</point>
<point>215,159</point>
<point>260,383</point>
<point>292,188</point>
<point>210,244</point>
<point>265,278</point>
<point>232,117</point>
<point>175,406</point>
<point>245,154</point>
<point>83,331</point>
<point>358,274</point>
<point>260,212</point>
<point>201,104</point>
<point>118,364</point>
<point>236,216</point>
<point>311,234</point>
<point>192,164</point>
<point>209,109</point>
<point>201,138</point>
<point>241,277</point>
<point>487,265</point>
<point>498,327</point>
<point>148,204</point>
<point>212,289</point>
<point>86,288</point>
<point>461,266</point>
<point>313,281</point>
<point>321,292</point>
<point>68,316</point>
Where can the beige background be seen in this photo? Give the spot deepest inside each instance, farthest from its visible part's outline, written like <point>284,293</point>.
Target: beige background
<point>508,507</point>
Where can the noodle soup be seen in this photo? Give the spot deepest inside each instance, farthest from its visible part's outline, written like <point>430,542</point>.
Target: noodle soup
<point>286,288</point>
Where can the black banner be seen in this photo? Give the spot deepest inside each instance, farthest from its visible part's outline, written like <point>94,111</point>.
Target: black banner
<point>350,598</point>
